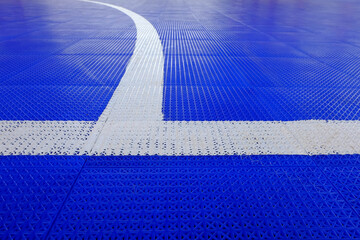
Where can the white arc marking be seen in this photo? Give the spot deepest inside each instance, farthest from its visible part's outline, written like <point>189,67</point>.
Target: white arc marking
<point>139,95</point>
<point>144,74</point>
<point>132,122</point>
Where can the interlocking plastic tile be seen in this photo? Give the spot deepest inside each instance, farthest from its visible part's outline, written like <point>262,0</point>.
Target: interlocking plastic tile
<point>84,71</point>
<point>187,70</point>
<point>32,191</point>
<point>84,103</point>
<point>193,47</point>
<point>210,103</point>
<point>335,161</point>
<point>33,47</point>
<point>240,36</point>
<point>41,162</point>
<point>98,23</point>
<point>260,49</point>
<point>313,103</point>
<point>169,197</point>
<point>8,33</point>
<point>296,36</point>
<point>178,25</point>
<point>224,60</point>
<point>165,161</point>
<point>350,66</point>
<point>175,34</point>
<point>331,50</point>
<point>11,65</point>
<point>304,72</point>
<point>347,180</point>
<point>101,47</point>
<point>60,34</point>
<point>199,52</point>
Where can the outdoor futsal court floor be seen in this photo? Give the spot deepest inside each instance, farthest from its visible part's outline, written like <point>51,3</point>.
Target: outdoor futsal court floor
<point>180,119</point>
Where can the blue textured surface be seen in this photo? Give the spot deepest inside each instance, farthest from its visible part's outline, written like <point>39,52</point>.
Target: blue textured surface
<point>233,197</point>
<point>224,60</point>
<point>32,191</point>
<point>60,60</point>
<point>240,60</point>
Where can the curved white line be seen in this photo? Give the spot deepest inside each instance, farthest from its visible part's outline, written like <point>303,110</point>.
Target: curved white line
<point>139,95</point>
<point>132,122</point>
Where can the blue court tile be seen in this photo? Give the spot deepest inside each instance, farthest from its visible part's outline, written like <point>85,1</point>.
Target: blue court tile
<point>305,72</point>
<point>38,84</point>
<point>59,34</point>
<point>76,70</point>
<point>12,65</point>
<point>33,47</point>
<point>101,47</point>
<point>347,180</point>
<point>164,161</point>
<point>229,28</point>
<point>354,39</point>
<point>19,29</point>
<point>330,50</point>
<point>96,24</point>
<point>260,49</point>
<point>336,160</point>
<point>272,103</point>
<point>119,35</point>
<point>220,197</point>
<point>177,25</point>
<point>7,33</point>
<point>307,37</point>
<point>78,88</point>
<point>29,162</point>
<point>33,188</point>
<point>350,66</point>
<point>192,47</point>
<point>275,161</point>
<point>214,104</point>
<point>182,16</point>
<point>274,29</point>
<point>174,34</point>
<point>290,104</point>
<point>81,103</point>
<point>240,36</point>
<point>213,71</point>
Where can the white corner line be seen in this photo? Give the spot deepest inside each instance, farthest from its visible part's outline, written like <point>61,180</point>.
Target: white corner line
<point>132,123</point>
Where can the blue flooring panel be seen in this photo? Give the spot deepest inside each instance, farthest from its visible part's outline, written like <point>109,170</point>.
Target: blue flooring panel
<point>223,61</point>
<point>60,60</point>
<point>222,197</point>
<point>244,60</point>
<point>32,191</point>
<point>249,60</point>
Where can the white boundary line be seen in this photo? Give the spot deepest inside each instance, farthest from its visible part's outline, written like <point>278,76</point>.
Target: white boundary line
<point>132,122</point>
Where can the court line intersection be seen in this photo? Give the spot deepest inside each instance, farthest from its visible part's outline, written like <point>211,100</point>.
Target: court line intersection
<point>133,125</point>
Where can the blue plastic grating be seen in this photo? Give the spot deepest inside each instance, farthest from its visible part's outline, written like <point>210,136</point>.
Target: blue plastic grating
<point>222,197</point>
<point>279,58</point>
<point>62,102</point>
<point>268,197</point>
<point>61,65</point>
<point>32,191</point>
<point>33,47</point>
<point>277,103</point>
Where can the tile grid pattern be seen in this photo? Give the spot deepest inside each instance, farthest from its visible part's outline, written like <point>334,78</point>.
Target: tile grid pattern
<point>222,197</point>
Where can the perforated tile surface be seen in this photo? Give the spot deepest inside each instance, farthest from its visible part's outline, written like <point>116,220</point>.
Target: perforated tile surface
<point>268,197</point>
<point>225,120</point>
<point>268,58</point>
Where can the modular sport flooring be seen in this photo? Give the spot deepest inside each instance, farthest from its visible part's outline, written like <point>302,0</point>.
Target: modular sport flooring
<point>180,119</point>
